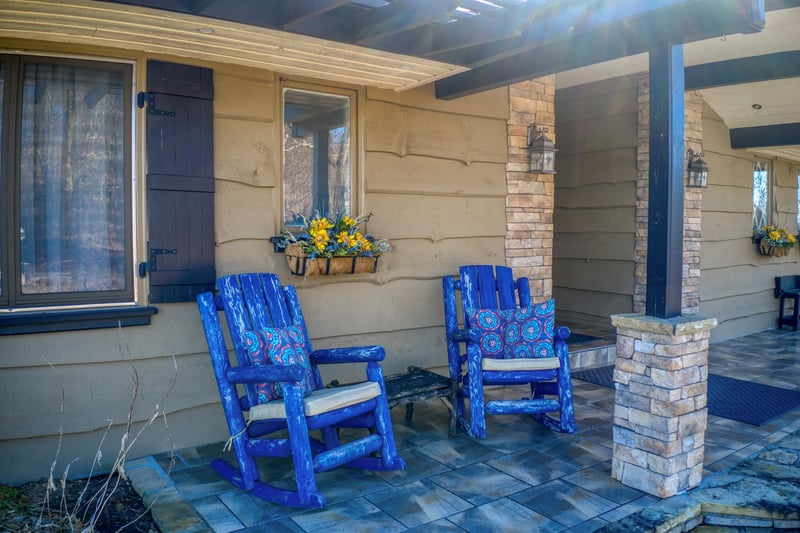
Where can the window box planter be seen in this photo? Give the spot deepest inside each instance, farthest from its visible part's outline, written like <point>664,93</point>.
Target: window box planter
<point>773,251</point>
<point>301,264</point>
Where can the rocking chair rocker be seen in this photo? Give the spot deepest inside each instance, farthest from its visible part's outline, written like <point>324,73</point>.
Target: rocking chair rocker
<point>283,391</point>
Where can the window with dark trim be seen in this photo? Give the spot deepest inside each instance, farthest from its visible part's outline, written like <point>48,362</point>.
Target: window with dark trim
<point>65,182</point>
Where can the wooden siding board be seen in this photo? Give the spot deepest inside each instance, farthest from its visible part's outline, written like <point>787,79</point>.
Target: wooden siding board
<point>436,217</point>
<point>76,452</point>
<point>407,131</point>
<point>187,381</point>
<point>728,199</point>
<point>590,91</point>
<point>601,220</point>
<point>718,226</point>
<point>424,258</point>
<point>417,294</point>
<point>721,254</point>
<point>603,133</point>
<point>577,168</point>
<point>488,104</point>
<point>607,246</point>
<point>596,276</point>
<point>426,175</point>
<point>620,101</point>
<point>609,195</point>
<point>244,97</point>
<point>248,152</point>
<point>247,218</point>
<point>599,304</point>
<point>745,279</point>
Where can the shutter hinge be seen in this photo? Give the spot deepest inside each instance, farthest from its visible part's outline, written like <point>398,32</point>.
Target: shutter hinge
<point>150,99</point>
<point>151,265</point>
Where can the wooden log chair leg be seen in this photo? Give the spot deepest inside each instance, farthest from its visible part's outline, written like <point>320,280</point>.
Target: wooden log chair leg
<point>383,422</point>
<point>307,494</point>
<point>477,415</point>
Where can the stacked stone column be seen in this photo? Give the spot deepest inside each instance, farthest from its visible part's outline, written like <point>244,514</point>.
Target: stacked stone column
<point>660,412</point>
<point>530,202</point>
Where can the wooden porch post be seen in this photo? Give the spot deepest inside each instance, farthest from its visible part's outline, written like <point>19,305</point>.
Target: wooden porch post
<point>665,212</point>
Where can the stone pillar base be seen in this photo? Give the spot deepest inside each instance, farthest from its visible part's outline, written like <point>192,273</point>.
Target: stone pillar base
<point>660,412</point>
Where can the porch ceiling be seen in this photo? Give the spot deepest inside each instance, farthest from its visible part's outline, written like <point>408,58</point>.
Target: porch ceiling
<point>734,73</point>
<point>464,46</point>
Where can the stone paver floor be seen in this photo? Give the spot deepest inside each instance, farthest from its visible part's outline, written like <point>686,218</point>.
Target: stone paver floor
<point>522,477</point>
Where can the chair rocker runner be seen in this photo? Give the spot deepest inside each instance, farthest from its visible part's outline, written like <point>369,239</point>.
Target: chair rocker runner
<point>502,338</point>
<point>283,392</point>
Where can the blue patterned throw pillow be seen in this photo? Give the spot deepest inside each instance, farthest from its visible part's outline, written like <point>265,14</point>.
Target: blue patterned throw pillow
<point>524,332</point>
<point>528,331</point>
<point>278,346</point>
<point>489,322</point>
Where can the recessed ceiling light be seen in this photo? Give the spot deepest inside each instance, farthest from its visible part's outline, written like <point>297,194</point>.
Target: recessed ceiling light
<point>756,106</point>
<point>206,31</point>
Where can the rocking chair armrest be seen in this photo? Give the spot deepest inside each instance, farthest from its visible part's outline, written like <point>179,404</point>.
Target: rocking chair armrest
<point>463,335</point>
<point>562,333</point>
<point>360,354</point>
<point>270,373</point>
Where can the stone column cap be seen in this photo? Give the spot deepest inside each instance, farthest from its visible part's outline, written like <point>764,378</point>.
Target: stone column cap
<point>679,325</point>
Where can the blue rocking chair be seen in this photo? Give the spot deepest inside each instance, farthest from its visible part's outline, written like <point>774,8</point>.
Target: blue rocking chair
<point>283,392</point>
<point>503,339</point>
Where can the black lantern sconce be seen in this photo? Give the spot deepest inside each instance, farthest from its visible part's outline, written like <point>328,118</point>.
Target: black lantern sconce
<point>698,170</point>
<point>542,149</point>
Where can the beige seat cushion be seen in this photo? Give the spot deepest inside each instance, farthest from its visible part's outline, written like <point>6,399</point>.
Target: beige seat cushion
<point>320,401</point>
<point>533,363</point>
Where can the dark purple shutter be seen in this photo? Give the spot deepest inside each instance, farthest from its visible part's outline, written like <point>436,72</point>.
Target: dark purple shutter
<point>180,181</point>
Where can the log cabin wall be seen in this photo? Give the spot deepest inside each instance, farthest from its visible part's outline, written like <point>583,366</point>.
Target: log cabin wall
<point>737,282</point>
<point>431,171</point>
<point>595,200</point>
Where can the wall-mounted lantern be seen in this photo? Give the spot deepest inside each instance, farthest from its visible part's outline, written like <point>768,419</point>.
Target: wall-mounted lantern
<point>542,151</point>
<point>698,170</point>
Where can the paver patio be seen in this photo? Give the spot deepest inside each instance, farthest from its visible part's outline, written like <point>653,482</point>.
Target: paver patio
<point>522,477</point>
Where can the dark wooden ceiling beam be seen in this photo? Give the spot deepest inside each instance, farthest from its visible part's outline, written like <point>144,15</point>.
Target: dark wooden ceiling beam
<point>403,15</point>
<point>198,6</point>
<point>275,14</point>
<point>611,37</point>
<point>772,5</point>
<point>764,136</point>
<point>292,12</point>
<point>440,38</point>
<point>744,70</point>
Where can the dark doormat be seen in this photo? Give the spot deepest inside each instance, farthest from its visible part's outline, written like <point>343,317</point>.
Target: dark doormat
<point>730,398</point>
<point>577,338</point>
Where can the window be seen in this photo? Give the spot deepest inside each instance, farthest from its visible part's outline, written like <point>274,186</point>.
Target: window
<point>761,194</point>
<point>317,153</point>
<point>65,182</point>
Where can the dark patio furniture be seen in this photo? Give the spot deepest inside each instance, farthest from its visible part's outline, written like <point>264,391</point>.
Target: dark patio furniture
<point>788,288</point>
<point>508,341</point>
<point>283,391</point>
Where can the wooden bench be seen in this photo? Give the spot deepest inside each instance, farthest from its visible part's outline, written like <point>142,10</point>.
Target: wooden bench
<point>788,288</point>
<point>416,385</point>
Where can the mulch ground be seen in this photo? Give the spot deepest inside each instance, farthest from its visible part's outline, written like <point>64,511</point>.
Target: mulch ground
<point>75,507</point>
